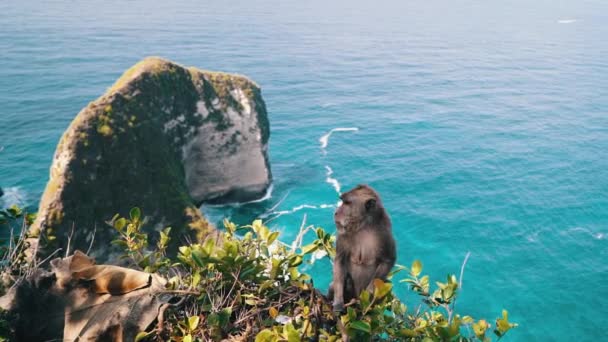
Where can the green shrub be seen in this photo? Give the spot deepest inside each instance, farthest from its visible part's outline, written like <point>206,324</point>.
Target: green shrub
<point>14,222</point>
<point>245,284</point>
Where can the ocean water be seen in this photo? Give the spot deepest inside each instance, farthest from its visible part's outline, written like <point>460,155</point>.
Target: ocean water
<point>482,124</point>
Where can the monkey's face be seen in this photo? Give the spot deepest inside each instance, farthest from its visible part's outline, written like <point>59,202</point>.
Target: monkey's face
<point>358,206</point>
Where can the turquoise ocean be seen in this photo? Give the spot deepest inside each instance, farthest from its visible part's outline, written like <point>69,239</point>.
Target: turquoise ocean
<point>483,125</point>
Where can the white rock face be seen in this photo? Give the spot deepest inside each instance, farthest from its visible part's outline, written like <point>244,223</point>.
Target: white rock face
<point>228,164</point>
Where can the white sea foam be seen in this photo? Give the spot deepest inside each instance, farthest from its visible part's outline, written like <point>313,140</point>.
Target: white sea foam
<point>595,235</point>
<point>533,237</point>
<point>278,213</point>
<point>13,195</point>
<point>566,21</point>
<point>334,182</point>
<point>267,196</point>
<point>324,140</point>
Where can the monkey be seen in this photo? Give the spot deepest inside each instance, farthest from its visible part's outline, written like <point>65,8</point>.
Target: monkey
<point>365,247</point>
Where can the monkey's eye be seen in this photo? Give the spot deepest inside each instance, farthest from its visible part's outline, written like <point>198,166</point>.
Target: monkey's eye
<point>347,202</point>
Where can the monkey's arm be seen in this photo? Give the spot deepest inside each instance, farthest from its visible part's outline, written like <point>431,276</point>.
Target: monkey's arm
<point>381,272</point>
<point>338,284</point>
<point>385,262</point>
<point>383,269</point>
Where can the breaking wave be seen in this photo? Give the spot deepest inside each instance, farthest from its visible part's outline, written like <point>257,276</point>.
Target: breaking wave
<point>324,140</point>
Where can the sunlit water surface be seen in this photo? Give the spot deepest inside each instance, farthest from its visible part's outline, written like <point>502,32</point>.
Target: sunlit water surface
<point>483,125</point>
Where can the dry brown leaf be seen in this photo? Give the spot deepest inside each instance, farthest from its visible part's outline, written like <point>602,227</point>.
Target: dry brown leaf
<point>114,280</point>
<point>64,267</point>
<point>92,316</point>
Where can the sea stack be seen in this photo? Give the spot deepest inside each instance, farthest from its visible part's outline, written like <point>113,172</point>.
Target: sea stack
<point>164,138</point>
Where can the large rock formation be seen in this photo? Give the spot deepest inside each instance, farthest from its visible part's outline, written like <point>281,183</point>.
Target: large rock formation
<point>164,138</point>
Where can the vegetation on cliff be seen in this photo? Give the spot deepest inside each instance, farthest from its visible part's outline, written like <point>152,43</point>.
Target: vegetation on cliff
<point>245,284</point>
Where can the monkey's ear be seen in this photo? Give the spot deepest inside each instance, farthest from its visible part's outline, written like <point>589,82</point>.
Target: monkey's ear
<point>369,204</point>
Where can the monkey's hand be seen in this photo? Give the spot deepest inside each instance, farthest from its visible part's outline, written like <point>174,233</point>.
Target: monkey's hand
<point>338,306</point>
<point>370,288</point>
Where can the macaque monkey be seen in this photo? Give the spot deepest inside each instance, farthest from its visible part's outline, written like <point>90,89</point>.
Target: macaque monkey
<point>365,248</point>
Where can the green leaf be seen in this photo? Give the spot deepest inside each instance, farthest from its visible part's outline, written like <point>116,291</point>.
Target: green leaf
<point>193,322</point>
<point>424,283</point>
<point>407,333</point>
<point>272,237</point>
<point>213,319</point>
<point>165,237</point>
<point>187,338</point>
<point>295,261</point>
<point>15,211</point>
<point>320,233</point>
<point>135,214</point>
<point>381,288</point>
<point>467,320</point>
<point>197,256</point>
<point>447,293</point>
<point>265,335</point>
<point>351,313</point>
<point>480,328</point>
<point>120,223</point>
<point>292,333</point>
<point>196,278</point>
<point>257,226</point>
<point>140,336</point>
<point>120,243</point>
<point>230,227</point>
<point>503,325</point>
<point>361,326</point>
<point>309,248</point>
<point>225,315</point>
<point>416,268</point>
<point>454,328</point>
<point>30,218</point>
<point>364,298</point>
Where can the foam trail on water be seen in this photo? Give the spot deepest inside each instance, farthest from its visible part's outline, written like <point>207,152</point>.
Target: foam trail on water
<point>324,140</point>
<point>267,195</point>
<point>593,234</point>
<point>334,182</point>
<point>278,213</point>
<point>13,195</point>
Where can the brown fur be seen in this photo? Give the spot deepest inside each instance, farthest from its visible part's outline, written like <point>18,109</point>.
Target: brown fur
<point>365,248</point>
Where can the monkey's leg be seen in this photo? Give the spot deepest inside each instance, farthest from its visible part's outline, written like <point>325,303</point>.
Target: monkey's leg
<point>349,289</point>
<point>362,276</point>
<point>330,291</point>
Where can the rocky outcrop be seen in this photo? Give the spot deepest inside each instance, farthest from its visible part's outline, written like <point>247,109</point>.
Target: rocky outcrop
<point>164,138</point>
<point>80,301</point>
